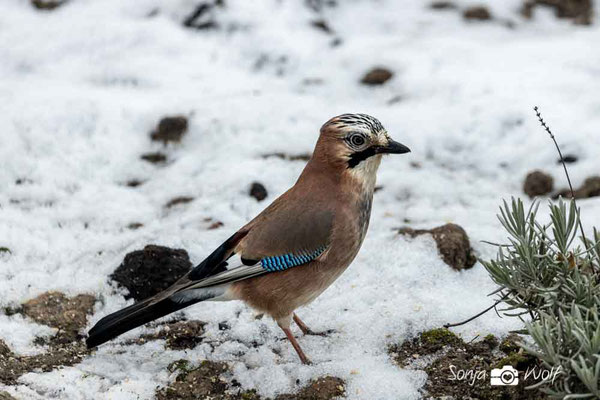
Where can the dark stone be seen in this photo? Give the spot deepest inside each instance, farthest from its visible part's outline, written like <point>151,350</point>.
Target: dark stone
<point>203,15</point>
<point>170,129</point>
<point>538,183</point>
<point>223,326</point>
<point>151,270</point>
<point>478,13</point>
<point>322,25</point>
<point>47,5</point>
<point>179,200</point>
<point>377,76</point>
<point>258,191</point>
<point>442,5</point>
<point>154,158</point>
<point>452,243</point>
<point>568,159</point>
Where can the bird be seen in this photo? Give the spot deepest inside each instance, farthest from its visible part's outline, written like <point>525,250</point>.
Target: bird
<point>295,248</point>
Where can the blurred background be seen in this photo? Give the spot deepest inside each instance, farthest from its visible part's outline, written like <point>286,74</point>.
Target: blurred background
<point>127,123</point>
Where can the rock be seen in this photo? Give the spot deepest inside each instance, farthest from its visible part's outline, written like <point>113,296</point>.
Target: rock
<point>538,183</point>
<point>170,129</point>
<point>151,270</point>
<point>57,310</point>
<point>258,191</point>
<point>478,13</point>
<point>322,25</point>
<point>178,335</point>
<point>179,200</point>
<point>452,243</point>
<point>203,15</point>
<point>590,188</point>
<point>568,159</point>
<point>154,158</point>
<point>47,5</point>
<point>580,11</point>
<point>442,5</point>
<point>377,76</point>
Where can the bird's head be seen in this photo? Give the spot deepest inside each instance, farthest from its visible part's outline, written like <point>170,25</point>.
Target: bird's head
<point>355,143</point>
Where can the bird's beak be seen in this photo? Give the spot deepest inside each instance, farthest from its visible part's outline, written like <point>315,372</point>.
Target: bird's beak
<point>392,147</point>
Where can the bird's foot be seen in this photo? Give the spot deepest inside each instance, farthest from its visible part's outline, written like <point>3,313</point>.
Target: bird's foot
<point>307,331</point>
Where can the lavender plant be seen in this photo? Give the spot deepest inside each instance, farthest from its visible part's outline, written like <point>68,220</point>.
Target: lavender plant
<point>547,273</point>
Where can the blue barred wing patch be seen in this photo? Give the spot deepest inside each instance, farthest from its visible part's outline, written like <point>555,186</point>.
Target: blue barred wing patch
<point>281,263</point>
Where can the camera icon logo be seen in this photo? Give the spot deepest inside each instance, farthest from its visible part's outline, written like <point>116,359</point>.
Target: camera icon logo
<point>505,376</point>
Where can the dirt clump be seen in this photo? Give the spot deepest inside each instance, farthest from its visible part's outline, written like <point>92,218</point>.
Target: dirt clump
<point>452,243</point>
<point>580,11</point>
<point>154,158</point>
<point>477,13</point>
<point>258,191</point>
<point>178,200</point>
<point>590,188</point>
<point>170,129</point>
<point>324,388</point>
<point>151,270</point>
<point>538,183</point>
<point>377,76</point>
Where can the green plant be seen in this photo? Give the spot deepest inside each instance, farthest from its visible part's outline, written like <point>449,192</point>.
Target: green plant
<point>545,272</point>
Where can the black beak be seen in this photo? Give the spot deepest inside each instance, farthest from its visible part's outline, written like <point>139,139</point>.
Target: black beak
<point>392,147</point>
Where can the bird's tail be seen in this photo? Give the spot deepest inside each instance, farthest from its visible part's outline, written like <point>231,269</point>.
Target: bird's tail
<point>139,314</point>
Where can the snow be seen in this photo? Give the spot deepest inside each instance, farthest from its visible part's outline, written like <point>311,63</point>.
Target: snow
<point>82,86</point>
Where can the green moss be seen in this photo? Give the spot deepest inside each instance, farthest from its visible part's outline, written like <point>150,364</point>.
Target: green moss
<point>508,345</point>
<point>5,250</point>
<point>249,395</point>
<point>183,366</point>
<point>519,360</point>
<point>439,337</point>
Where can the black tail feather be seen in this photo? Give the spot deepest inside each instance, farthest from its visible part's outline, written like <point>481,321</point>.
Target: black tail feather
<point>131,317</point>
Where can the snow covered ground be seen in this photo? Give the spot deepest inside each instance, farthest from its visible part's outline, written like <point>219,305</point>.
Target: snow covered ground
<point>82,86</point>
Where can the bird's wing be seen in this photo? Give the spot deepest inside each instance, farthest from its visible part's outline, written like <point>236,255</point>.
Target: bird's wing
<point>281,237</point>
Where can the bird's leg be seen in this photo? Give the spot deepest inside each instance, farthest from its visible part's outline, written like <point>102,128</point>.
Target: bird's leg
<point>306,330</point>
<point>296,345</point>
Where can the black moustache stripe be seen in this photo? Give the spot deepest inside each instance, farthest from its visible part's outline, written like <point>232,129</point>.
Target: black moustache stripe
<point>358,157</point>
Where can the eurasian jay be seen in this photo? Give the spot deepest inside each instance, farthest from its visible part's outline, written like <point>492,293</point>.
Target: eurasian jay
<point>293,250</point>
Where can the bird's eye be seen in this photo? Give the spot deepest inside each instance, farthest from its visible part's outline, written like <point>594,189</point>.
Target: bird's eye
<point>357,140</point>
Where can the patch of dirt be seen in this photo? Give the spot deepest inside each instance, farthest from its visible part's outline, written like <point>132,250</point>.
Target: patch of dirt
<point>590,188</point>
<point>477,13</point>
<point>258,191</point>
<point>446,358</point>
<point>47,5</point>
<point>151,270</point>
<point>178,335</point>
<point>538,183</point>
<point>580,11</point>
<point>57,310</point>
<point>377,76</point>
<point>178,200</point>
<point>289,157</point>
<point>12,366</point>
<point>170,129</point>
<point>325,388</point>
<point>212,380</point>
<point>203,382</point>
<point>154,158</point>
<point>65,348</point>
<point>452,243</point>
